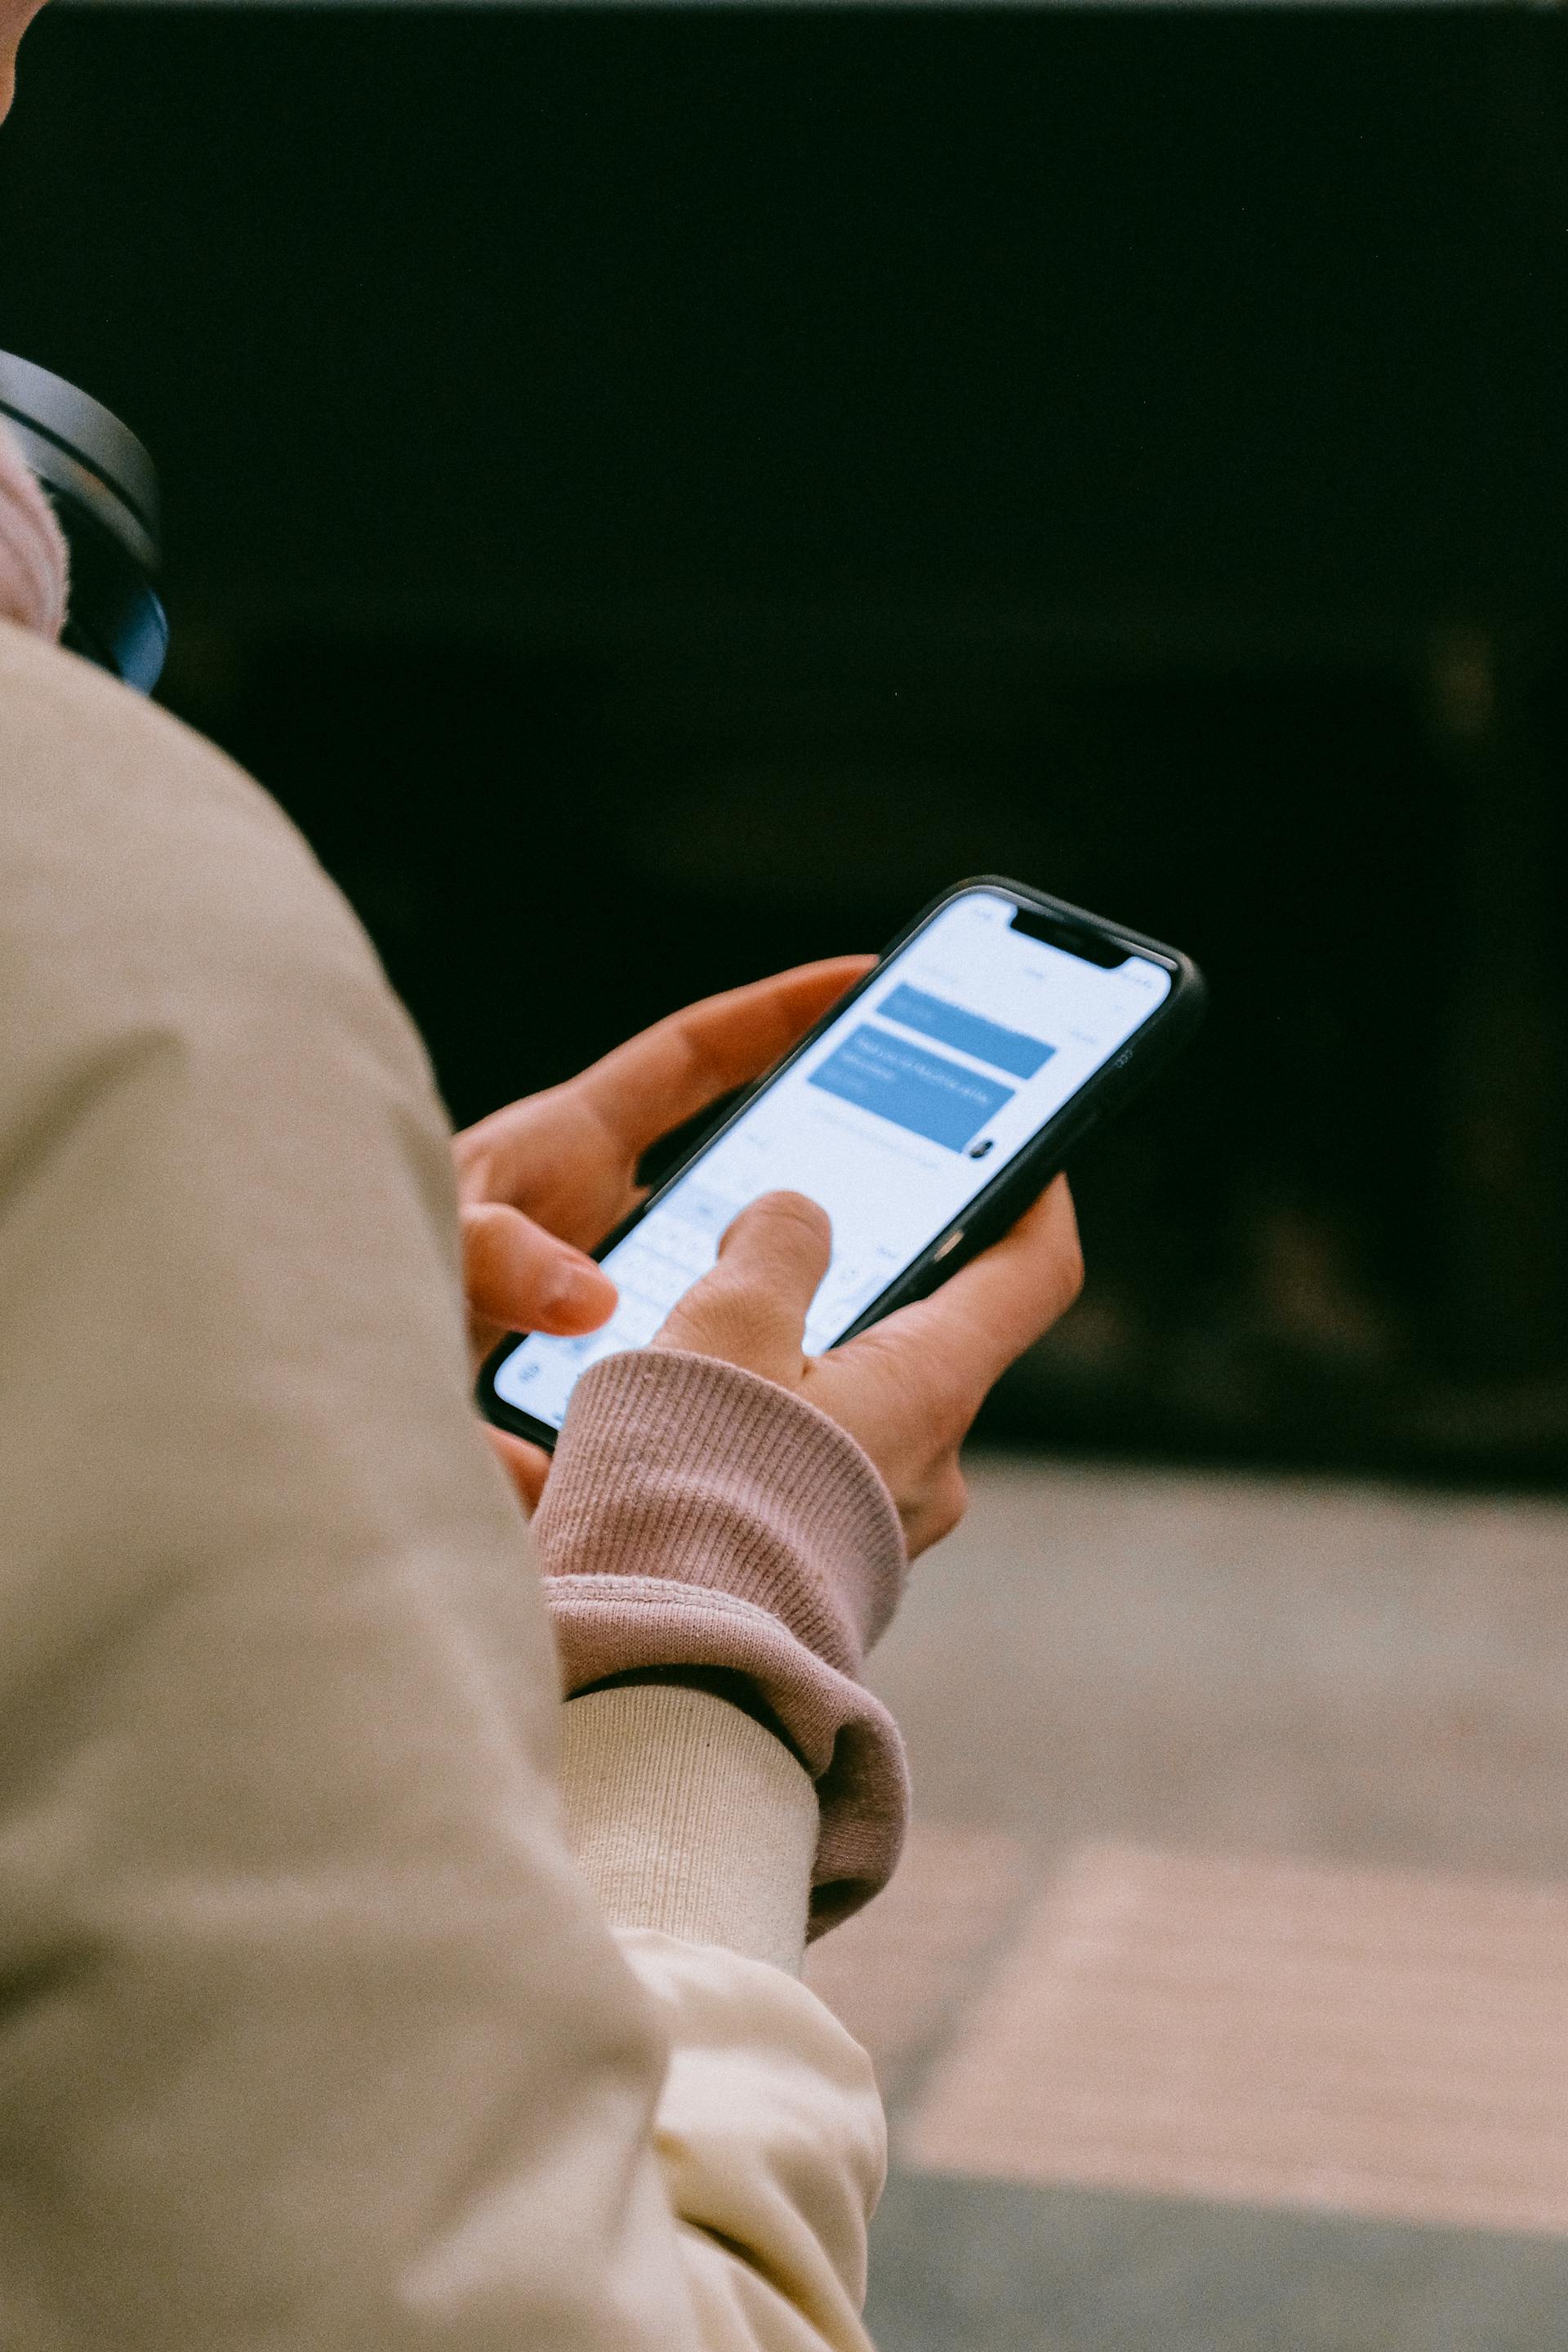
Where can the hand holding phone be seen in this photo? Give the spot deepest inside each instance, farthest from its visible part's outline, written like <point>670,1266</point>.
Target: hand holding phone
<point>909,1388</point>
<point>543,1181</point>
<point>923,1113</point>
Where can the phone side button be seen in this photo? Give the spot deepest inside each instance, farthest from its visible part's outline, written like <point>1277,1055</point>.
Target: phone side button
<point>951,1244</point>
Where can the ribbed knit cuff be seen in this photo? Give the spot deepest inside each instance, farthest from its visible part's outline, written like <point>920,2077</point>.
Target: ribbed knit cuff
<point>696,1515</point>
<point>687,1816</point>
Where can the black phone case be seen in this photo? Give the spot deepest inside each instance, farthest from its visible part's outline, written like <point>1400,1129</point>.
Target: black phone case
<point>990,1214</point>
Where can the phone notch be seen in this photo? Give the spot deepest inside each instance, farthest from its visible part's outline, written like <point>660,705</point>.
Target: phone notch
<point>1090,947</point>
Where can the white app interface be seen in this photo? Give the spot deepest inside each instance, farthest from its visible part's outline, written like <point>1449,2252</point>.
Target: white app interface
<point>964,1044</point>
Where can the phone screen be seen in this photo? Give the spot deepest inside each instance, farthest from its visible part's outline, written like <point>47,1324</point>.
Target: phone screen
<point>905,1108</point>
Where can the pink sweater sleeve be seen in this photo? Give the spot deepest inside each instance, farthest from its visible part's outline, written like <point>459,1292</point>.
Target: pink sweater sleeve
<point>697,1515</point>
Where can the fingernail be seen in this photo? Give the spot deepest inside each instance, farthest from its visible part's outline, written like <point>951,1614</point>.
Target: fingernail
<point>578,1287</point>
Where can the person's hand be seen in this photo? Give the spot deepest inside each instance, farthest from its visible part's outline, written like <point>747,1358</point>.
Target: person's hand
<point>543,1180</point>
<point>908,1389</point>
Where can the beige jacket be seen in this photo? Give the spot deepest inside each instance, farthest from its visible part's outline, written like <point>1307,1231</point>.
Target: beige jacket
<point>313,2032</point>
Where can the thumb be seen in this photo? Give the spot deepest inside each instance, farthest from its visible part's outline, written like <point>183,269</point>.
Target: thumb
<point>751,1309</point>
<point>521,1278</point>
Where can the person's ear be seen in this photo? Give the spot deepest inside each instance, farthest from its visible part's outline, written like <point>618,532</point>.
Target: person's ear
<point>15,16</point>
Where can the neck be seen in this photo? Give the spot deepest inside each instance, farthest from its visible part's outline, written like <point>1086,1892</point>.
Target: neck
<point>32,548</point>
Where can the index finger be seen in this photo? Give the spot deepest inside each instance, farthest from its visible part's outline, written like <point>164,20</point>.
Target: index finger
<point>655,1081</point>
<point>983,1319</point>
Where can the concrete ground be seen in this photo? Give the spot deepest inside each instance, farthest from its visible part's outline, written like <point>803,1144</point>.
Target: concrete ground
<point>1223,1997</point>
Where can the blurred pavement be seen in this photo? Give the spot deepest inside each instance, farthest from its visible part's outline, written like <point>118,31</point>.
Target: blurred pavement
<point>1223,1996</point>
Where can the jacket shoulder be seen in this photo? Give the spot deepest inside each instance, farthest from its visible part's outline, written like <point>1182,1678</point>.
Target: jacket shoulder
<point>87,765</point>
<point>129,836</point>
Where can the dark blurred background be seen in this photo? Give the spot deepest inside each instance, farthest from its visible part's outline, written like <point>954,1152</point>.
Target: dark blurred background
<point>657,494</point>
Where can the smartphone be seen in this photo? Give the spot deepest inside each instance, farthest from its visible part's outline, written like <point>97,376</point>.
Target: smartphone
<point>924,1112</point>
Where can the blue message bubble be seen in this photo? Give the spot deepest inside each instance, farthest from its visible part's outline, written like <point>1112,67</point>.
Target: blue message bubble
<point>924,1092</point>
<point>949,1024</point>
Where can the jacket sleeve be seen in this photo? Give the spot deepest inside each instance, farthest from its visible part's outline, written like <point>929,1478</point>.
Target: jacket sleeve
<point>313,2031</point>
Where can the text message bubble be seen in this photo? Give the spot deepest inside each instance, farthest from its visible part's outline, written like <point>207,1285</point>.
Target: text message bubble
<point>949,1024</point>
<point>930,1095</point>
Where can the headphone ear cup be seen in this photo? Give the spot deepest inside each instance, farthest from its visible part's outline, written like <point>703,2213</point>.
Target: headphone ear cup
<point>115,616</point>
<point>103,486</point>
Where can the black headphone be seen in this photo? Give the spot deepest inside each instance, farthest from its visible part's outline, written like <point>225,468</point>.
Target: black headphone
<point>104,488</point>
